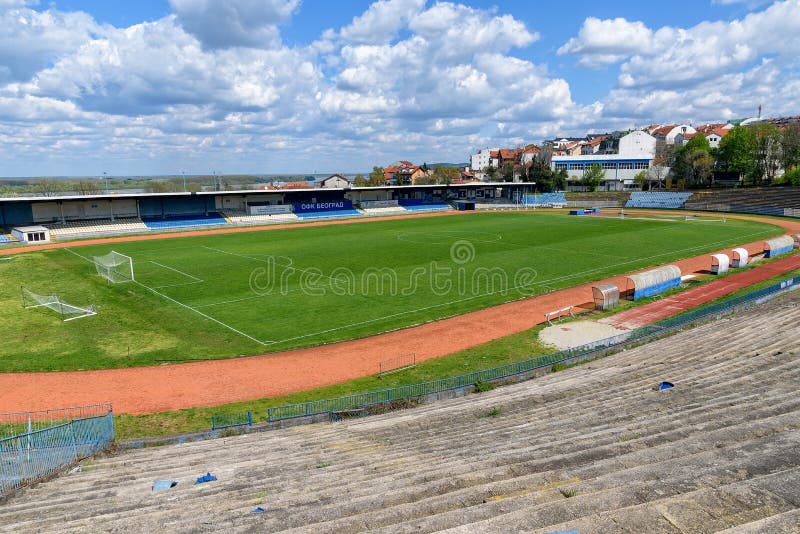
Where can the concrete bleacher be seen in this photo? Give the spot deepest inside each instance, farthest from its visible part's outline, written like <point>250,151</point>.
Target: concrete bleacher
<point>596,448</point>
<point>122,225</point>
<point>273,218</point>
<point>386,210</point>
<point>185,221</point>
<point>764,200</point>
<point>657,199</point>
<point>329,214</point>
<point>551,200</point>
<point>421,206</point>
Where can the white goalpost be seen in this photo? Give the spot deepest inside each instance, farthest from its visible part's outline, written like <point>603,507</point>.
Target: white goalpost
<point>67,311</point>
<point>114,267</point>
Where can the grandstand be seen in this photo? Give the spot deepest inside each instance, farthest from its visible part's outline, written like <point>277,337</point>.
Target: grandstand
<point>416,205</point>
<point>241,217</point>
<point>73,229</point>
<point>764,201</point>
<point>595,448</point>
<point>545,200</point>
<point>657,199</point>
<point>329,214</point>
<point>172,222</point>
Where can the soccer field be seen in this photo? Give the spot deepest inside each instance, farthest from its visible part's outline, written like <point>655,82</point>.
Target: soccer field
<point>226,295</point>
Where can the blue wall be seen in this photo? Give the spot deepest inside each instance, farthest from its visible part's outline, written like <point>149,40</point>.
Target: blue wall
<point>16,213</point>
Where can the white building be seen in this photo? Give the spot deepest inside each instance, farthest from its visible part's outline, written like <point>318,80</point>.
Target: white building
<point>31,234</point>
<point>484,158</point>
<point>636,153</point>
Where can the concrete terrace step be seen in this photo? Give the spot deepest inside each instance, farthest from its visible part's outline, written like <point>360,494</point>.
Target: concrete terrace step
<point>637,458</point>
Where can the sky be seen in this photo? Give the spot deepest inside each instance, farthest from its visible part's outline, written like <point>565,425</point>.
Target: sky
<point>158,87</point>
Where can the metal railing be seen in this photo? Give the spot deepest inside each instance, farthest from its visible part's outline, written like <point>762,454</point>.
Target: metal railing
<point>55,440</point>
<point>231,420</point>
<point>596,348</point>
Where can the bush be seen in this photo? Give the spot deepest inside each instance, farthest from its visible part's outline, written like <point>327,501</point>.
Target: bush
<point>792,177</point>
<point>480,387</point>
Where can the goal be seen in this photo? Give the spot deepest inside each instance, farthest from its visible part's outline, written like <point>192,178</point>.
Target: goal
<point>114,267</point>
<point>67,311</point>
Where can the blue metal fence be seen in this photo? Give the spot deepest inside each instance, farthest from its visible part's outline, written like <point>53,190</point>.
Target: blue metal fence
<point>643,334</point>
<point>71,435</point>
<point>231,420</point>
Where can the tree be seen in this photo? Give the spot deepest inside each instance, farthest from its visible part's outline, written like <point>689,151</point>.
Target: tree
<point>376,177</point>
<point>87,187</point>
<point>593,176</point>
<point>490,172</point>
<point>445,175</point>
<point>359,181</point>
<point>508,171</point>
<point>736,151</point>
<point>700,165</point>
<point>641,179</point>
<point>48,187</point>
<point>766,153</point>
<point>790,147</point>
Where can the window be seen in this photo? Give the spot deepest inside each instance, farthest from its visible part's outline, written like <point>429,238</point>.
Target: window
<point>626,166</point>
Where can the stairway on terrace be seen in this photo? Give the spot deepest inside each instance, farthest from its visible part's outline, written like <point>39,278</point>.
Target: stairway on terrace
<point>595,447</point>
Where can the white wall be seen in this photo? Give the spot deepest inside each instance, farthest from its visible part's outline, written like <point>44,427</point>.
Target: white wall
<point>638,144</point>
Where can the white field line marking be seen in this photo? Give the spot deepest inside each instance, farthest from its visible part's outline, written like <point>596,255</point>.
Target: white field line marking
<point>232,329</point>
<point>544,282</point>
<point>263,260</point>
<point>177,271</point>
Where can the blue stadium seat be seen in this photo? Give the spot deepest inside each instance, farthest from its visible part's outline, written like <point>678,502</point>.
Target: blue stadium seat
<point>545,199</point>
<point>184,221</point>
<point>657,199</point>
<point>329,214</point>
<point>438,206</point>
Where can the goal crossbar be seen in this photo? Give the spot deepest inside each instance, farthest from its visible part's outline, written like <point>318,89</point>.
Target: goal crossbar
<point>53,302</point>
<point>114,267</point>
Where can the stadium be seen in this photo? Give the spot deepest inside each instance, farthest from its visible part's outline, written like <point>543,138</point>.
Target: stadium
<point>472,357</point>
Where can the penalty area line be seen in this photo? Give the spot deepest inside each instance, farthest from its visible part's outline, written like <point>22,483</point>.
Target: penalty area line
<point>198,312</point>
<point>177,271</point>
<point>181,304</point>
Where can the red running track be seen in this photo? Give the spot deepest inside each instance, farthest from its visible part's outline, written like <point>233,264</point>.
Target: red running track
<point>661,309</point>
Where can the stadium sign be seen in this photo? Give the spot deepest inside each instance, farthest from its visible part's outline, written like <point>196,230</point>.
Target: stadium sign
<point>323,206</point>
<point>269,210</point>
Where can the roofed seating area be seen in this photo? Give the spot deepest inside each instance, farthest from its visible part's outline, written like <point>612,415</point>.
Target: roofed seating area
<point>272,218</point>
<point>424,205</point>
<point>185,221</point>
<point>72,229</point>
<point>329,214</point>
<point>594,448</point>
<point>657,199</point>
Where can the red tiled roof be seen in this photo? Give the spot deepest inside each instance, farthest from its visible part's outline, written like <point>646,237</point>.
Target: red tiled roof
<point>297,185</point>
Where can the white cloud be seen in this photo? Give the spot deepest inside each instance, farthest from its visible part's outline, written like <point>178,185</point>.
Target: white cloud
<point>603,42</point>
<point>250,23</point>
<point>29,39</point>
<point>381,22</point>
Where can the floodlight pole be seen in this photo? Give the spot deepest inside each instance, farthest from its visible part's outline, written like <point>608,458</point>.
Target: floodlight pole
<point>105,177</point>
<point>183,173</point>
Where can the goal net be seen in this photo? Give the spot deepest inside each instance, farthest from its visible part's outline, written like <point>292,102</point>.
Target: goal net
<point>67,311</point>
<point>114,267</point>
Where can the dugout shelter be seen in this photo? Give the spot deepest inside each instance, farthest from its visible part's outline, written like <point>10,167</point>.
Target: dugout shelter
<point>606,296</point>
<point>778,245</point>
<point>720,263</point>
<point>652,282</point>
<point>740,258</point>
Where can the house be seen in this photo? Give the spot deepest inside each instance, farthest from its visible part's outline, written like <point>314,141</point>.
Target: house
<point>593,145</point>
<point>668,133</point>
<point>335,181</point>
<point>402,173</point>
<point>529,153</point>
<point>482,159</point>
<point>297,185</point>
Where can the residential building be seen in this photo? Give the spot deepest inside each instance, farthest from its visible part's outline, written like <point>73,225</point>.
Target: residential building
<point>402,173</point>
<point>335,181</point>
<point>482,159</point>
<point>636,152</point>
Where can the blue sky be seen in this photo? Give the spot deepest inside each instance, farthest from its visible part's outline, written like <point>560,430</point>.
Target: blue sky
<point>272,86</point>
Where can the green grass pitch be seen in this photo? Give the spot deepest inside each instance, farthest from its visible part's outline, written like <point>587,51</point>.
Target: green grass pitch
<point>227,295</point>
